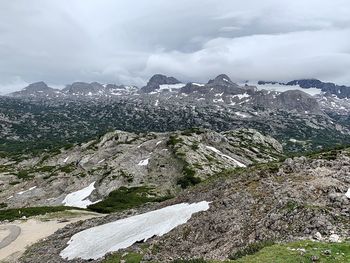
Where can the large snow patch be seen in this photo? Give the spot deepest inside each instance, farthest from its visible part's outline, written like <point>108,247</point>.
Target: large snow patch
<point>79,198</point>
<point>95,242</point>
<point>239,164</point>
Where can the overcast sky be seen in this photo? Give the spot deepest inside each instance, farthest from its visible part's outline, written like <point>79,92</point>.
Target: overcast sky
<point>127,41</point>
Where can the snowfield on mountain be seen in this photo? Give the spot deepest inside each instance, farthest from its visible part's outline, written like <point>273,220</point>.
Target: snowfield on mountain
<point>95,242</point>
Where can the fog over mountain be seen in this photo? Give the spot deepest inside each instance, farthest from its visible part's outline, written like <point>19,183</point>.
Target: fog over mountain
<point>60,42</point>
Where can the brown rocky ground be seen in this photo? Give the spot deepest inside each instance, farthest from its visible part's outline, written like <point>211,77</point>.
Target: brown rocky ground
<point>301,198</point>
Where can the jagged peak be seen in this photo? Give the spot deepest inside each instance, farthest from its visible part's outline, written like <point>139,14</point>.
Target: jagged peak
<point>222,79</point>
<point>160,79</point>
<point>36,86</point>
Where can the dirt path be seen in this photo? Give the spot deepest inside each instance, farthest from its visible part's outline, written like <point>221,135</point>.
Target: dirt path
<point>14,232</point>
<point>16,236</point>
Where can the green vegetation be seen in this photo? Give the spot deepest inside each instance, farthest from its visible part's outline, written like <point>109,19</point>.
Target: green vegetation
<point>17,213</point>
<point>67,168</point>
<point>301,251</point>
<point>190,261</point>
<point>24,174</point>
<point>131,257</point>
<point>126,198</point>
<point>189,178</point>
<point>173,140</point>
<point>195,146</point>
<point>251,249</point>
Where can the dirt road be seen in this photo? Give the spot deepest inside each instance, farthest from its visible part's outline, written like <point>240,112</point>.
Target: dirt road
<point>17,235</point>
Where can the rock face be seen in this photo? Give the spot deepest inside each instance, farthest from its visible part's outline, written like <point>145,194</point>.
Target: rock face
<point>157,80</point>
<point>327,87</point>
<point>85,89</point>
<point>298,198</point>
<point>222,85</point>
<point>89,109</point>
<point>157,160</point>
<point>37,90</point>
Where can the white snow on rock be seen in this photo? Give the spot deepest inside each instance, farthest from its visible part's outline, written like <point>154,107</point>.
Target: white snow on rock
<point>241,96</point>
<point>282,88</point>
<point>143,162</point>
<point>79,198</point>
<point>95,242</point>
<point>198,84</point>
<point>171,87</point>
<point>239,164</point>
<point>347,194</point>
<point>30,189</point>
<point>242,115</point>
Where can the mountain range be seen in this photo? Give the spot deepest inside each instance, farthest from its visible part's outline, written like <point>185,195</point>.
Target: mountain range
<point>175,172</point>
<point>39,116</point>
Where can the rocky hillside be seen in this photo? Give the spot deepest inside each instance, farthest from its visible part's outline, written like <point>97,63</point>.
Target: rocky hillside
<point>300,198</point>
<point>162,162</point>
<point>29,125</point>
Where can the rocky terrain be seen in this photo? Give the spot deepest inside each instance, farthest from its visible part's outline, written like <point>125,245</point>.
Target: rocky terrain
<point>40,117</point>
<point>299,198</point>
<point>124,151</point>
<point>162,162</point>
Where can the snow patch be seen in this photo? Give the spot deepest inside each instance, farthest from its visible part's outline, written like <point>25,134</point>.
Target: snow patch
<point>143,162</point>
<point>348,193</point>
<point>282,88</point>
<point>242,115</point>
<point>198,84</point>
<point>239,164</point>
<point>218,100</point>
<point>171,87</point>
<point>241,96</point>
<point>30,189</point>
<point>95,242</point>
<point>78,198</point>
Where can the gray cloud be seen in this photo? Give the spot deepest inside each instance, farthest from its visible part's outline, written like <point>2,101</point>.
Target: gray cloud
<point>61,41</point>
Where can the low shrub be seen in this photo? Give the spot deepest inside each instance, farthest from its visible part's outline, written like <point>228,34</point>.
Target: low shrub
<point>251,249</point>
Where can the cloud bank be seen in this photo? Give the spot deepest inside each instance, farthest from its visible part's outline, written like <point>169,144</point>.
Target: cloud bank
<point>120,41</point>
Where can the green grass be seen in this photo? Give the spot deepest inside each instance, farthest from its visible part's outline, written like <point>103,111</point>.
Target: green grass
<point>250,249</point>
<point>199,260</point>
<point>17,213</point>
<point>189,177</point>
<point>288,253</point>
<point>131,257</point>
<point>126,198</point>
<point>173,140</point>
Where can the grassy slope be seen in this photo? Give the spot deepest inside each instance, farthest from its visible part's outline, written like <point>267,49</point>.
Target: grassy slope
<point>17,213</point>
<point>126,198</point>
<point>294,252</point>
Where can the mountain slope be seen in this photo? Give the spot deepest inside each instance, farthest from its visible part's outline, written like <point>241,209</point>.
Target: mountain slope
<point>162,162</point>
<point>300,198</point>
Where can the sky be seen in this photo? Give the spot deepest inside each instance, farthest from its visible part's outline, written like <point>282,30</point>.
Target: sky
<point>127,41</point>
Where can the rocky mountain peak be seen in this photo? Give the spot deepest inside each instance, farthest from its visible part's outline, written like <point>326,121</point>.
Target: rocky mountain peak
<point>36,90</point>
<point>37,86</point>
<point>222,80</point>
<point>157,80</point>
<point>83,88</point>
